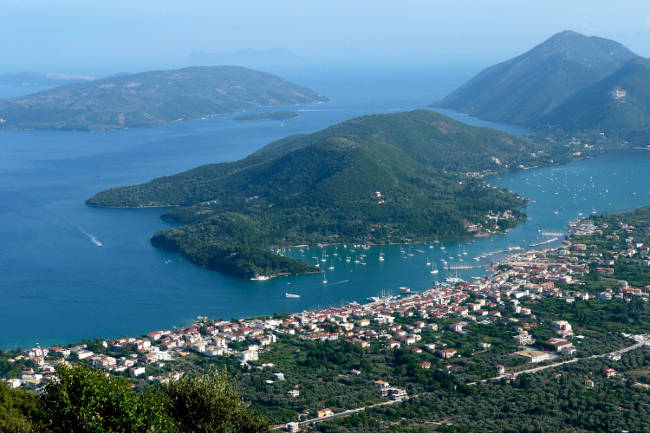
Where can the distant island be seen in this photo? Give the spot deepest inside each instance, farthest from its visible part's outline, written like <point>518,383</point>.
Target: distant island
<point>393,178</point>
<point>37,79</point>
<point>570,87</point>
<point>152,98</point>
<point>272,115</point>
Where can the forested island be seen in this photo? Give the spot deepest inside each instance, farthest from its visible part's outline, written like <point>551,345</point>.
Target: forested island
<point>392,178</point>
<point>152,98</point>
<point>272,115</point>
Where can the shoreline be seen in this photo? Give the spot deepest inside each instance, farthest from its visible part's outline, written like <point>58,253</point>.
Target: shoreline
<point>487,270</point>
<point>15,342</point>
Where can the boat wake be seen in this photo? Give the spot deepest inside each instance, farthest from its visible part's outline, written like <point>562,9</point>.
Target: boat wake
<point>92,238</point>
<point>339,282</point>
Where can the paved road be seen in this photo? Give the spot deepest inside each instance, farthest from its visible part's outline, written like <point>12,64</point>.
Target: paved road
<point>568,361</point>
<point>342,414</point>
<point>531,370</point>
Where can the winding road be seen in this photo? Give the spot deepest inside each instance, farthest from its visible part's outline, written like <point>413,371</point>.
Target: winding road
<point>639,344</point>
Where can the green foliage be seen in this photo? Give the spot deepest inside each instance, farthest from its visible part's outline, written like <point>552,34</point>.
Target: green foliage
<point>87,401</point>
<point>208,404</point>
<point>321,188</point>
<point>17,408</point>
<point>151,98</point>
<point>83,400</point>
<point>540,402</point>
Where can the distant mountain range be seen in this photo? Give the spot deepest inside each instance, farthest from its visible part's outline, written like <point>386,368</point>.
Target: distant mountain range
<point>250,58</point>
<point>36,79</point>
<point>151,98</point>
<point>390,178</point>
<point>570,84</point>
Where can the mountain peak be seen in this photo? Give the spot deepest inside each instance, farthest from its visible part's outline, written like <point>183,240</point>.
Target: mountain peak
<point>587,49</point>
<point>566,34</point>
<point>523,89</point>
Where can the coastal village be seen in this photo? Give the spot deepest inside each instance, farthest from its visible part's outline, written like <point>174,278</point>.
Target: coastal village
<point>387,323</point>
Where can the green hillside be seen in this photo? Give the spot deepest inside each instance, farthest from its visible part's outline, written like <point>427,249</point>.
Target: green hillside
<point>618,106</point>
<point>375,179</point>
<point>523,89</point>
<point>151,98</point>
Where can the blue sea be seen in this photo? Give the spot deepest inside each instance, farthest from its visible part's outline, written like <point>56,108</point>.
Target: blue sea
<point>69,272</point>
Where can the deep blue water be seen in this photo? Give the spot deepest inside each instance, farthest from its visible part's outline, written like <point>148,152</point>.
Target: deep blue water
<point>58,286</point>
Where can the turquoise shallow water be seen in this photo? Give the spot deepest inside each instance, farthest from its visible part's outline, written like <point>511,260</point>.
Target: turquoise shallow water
<point>57,285</point>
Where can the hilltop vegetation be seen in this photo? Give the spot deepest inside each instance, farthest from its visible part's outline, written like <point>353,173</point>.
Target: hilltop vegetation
<point>151,98</point>
<point>391,178</point>
<point>84,400</point>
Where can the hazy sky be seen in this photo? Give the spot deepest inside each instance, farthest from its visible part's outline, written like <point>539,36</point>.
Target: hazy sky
<point>105,36</point>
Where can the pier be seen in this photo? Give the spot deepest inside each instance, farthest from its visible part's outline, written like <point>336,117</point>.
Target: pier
<point>548,233</point>
<point>461,267</point>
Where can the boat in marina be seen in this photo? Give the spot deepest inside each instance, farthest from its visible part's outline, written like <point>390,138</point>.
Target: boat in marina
<point>454,279</point>
<point>404,290</point>
<point>260,278</point>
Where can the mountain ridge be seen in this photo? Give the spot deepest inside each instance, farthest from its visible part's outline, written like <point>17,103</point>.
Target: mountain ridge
<point>529,86</point>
